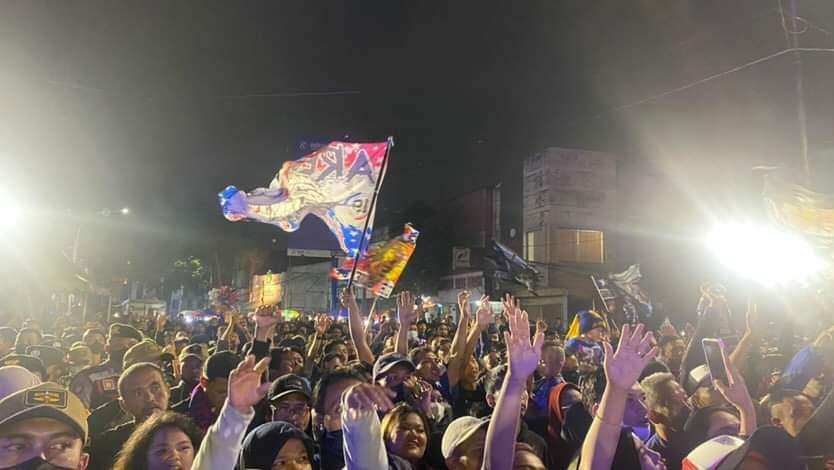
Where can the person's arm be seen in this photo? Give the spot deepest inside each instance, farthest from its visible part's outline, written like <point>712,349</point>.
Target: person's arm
<point>707,326</point>
<point>808,362</point>
<point>737,395</point>
<point>321,325</point>
<point>223,342</point>
<point>265,321</point>
<point>357,330</point>
<point>222,442</point>
<point>622,369</point>
<point>750,338</point>
<point>454,368</point>
<point>483,318</point>
<point>361,430</point>
<point>407,312</point>
<point>523,357</point>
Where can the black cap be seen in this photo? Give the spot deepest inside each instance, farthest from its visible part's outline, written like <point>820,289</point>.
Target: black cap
<point>770,444</point>
<point>32,364</point>
<point>387,361</point>
<point>287,385</point>
<point>296,343</point>
<point>48,355</point>
<point>120,330</point>
<point>220,365</point>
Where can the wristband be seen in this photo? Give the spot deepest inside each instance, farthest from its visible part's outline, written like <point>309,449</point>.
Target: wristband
<point>603,421</point>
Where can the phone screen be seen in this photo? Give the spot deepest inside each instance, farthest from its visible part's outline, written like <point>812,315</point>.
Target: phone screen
<point>715,359</point>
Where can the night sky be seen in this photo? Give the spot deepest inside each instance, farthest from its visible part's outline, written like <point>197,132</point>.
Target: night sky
<point>158,105</point>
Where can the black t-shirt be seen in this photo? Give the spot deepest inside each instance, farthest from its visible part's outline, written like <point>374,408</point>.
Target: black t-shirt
<point>469,402</point>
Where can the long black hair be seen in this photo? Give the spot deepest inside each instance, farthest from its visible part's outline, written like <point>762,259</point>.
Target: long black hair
<point>133,455</point>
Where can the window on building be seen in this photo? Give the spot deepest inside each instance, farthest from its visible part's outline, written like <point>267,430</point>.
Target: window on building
<point>580,246</point>
<point>535,246</point>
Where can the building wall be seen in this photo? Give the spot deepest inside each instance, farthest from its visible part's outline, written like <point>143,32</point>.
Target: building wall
<point>307,287</point>
<point>570,212</point>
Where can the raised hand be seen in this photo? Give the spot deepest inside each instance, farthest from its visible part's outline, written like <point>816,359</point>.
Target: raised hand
<point>736,391</point>
<point>484,314</point>
<point>406,309</point>
<point>348,299</point>
<point>511,306</point>
<point>753,325</point>
<point>265,317</point>
<point>523,355</point>
<point>541,326</point>
<point>463,302</point>
<point>366,397</point>
<point>245,387</point>
<point>161,320</point>
<point>424,392</point>
<point>322,324</point>
<point>634,352</point>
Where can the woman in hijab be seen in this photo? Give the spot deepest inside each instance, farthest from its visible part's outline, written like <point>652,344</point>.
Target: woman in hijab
<point>277,446</point>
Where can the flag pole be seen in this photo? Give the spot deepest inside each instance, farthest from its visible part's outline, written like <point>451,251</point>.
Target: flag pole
<point>372,212</point>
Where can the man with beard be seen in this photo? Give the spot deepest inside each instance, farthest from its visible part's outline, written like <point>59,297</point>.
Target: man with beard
<point>668,411</point>
<point>142,392</point>
<point>97,385</point>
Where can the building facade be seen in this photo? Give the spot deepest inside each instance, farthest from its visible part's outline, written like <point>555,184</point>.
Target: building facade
<point>569,218</point>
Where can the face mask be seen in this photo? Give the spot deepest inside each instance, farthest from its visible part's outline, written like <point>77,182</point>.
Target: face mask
<point>413,336</point>
<point>36,463</point>
<point>400,391</point>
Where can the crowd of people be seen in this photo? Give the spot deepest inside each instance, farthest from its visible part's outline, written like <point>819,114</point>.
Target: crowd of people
<point>480,389</point>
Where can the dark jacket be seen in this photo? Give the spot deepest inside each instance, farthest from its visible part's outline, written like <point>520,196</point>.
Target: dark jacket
<point>103,451</point>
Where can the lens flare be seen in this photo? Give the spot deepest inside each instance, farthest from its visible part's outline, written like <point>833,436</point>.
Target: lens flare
<point>764,254</point>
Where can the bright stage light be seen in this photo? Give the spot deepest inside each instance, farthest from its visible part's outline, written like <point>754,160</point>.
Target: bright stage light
<point>764,254</point>
<point>125,210</point>
<point>10,216</point>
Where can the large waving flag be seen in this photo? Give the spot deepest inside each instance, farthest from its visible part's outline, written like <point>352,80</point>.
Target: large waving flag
<point>335,183</point>
<point>799,209</point>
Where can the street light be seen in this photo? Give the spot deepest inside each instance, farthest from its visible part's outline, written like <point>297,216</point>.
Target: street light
<point>10,216</point>
<point>764,254</point>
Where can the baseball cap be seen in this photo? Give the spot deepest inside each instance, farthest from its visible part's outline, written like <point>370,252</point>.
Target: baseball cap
<point>387,361</point>
<point>181,337</point>
<point>32,364</point>
<point>14,379</point>
<point>48,355</point>
<point>47,400</point>
<point>460,430</point>
<point>296,343</point>
<point>287,385</point>
<point>120,330</point>
<point>220,365</point>
<point>769,445</point>
<point>144,351</point>
<point>195,349</point>
<point>80,352</point>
